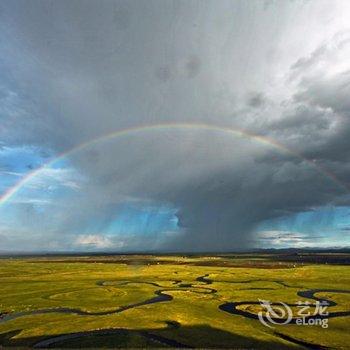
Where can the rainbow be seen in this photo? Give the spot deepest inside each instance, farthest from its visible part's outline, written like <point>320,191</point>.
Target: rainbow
<point>172,126</point>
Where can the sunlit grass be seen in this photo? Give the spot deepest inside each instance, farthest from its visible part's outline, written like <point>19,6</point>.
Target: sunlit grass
<point>28,285</point>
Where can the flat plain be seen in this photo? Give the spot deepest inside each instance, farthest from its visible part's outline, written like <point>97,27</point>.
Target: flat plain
<point>148,301</point>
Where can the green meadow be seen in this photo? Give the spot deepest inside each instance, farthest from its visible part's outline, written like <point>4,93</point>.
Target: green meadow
<point>166,301</point>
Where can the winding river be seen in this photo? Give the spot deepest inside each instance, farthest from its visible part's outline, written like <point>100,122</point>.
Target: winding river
<point>233,307</point>
<point>201,286</point>
<point>160,296</point>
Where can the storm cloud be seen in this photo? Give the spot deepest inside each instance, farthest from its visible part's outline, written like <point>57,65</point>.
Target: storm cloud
<point>73,71</point>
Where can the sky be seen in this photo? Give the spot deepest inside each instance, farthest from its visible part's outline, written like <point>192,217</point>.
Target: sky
<point>174,125</point>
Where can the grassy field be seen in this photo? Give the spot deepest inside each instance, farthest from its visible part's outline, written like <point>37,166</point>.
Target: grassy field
<point>165,301</point>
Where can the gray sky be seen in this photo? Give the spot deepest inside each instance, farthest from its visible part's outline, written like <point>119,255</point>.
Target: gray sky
<point>72,71</point>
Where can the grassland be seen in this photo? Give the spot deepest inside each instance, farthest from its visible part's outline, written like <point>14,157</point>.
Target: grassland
<point>165,301</point>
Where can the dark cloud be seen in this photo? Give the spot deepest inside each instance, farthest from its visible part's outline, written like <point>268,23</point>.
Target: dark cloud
<point>163,73</point>
<point>193,66</point>
<point>256,100</point>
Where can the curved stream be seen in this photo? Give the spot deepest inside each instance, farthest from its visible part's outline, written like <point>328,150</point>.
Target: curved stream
<point>161,296</point>
<point>231,307</point>
<point>114,331</point>
<point>200,287</point>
